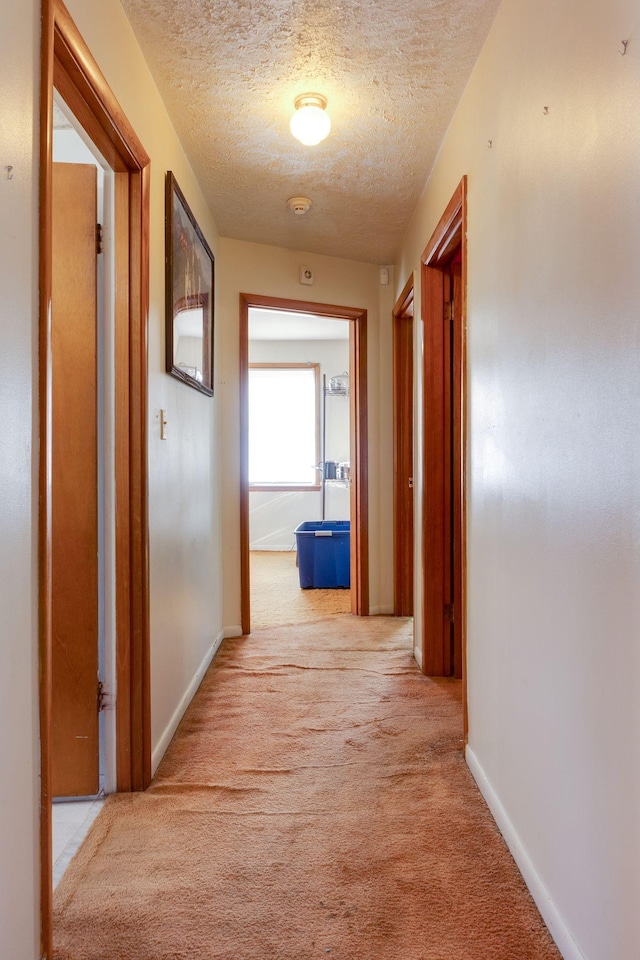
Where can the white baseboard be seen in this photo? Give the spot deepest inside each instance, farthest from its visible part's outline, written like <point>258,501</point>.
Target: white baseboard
<point>189,693</point>
<point>273,548</point>
<point>417,653</point>
<point>383,611</point>
<point>232,631</point>
<point>550,913</point>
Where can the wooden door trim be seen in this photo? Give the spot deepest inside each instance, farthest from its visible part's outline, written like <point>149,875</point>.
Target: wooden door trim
<point>359,442</point>
<point>67,64</point>
<point>403,467</point>
<point>448,238</point>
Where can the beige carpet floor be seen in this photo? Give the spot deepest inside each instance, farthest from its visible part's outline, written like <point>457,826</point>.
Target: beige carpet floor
<point>314,803</point>
<point>276,597</point>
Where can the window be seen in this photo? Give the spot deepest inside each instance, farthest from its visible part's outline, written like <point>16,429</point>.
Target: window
<point>284,425</point>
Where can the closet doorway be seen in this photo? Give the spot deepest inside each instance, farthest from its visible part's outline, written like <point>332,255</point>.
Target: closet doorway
<point>303,443</point>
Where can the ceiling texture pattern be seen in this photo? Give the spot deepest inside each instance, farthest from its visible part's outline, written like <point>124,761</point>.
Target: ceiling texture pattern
<point>391,70</point>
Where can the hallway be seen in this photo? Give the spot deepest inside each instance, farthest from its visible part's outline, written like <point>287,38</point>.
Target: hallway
<point>315,802</point>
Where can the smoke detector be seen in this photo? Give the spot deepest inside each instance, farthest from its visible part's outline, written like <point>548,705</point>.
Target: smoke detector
<point>299,205</point>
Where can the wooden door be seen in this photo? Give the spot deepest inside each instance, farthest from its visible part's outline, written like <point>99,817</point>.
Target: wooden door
<point>452,639</point>
<point>443,448</point>
<point>456,465</point>
<point>403,452</point>
<point>74,492</point>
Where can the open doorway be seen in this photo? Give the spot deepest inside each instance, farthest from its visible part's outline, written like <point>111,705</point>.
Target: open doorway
<point>330,480</point>
<point>82,491</point>
<point>115,488</point>
<point>299,467</point>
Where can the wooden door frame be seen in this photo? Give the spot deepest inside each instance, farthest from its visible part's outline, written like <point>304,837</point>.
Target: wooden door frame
<point>403,466</point>
<point>448,238</point>
<point>358,439</point>
<point>67,64</point>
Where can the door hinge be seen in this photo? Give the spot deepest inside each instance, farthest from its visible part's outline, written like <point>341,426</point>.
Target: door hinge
<point>448,311</point>
<point>99,238</point>
<point>104,697</point>
<point>449,612</point>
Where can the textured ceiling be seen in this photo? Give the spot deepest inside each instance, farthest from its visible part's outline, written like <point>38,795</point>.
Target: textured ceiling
<point>392,71</point>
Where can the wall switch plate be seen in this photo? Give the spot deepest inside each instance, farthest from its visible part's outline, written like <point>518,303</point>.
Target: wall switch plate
<point>306,275</point>
<point>384,277</point>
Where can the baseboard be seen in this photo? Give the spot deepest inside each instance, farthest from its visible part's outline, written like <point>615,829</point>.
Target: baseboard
<point>273,548</point>
<point>384,611</point>
<point>232,631</point>
<point>550,913</point>
<point>179,712</point>
<point>417,652</point>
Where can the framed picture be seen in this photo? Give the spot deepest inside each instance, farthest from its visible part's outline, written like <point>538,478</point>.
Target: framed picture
<point>189,273</point>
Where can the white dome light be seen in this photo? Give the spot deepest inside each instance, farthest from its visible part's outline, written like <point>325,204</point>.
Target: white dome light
<point>310,123</point>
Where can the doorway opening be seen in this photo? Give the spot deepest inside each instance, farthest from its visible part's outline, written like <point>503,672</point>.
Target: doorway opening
<point>327,362</point>
<point>82,496</point>
<point>114,368</point>
<point>444,264</point>
<point>299,467</point>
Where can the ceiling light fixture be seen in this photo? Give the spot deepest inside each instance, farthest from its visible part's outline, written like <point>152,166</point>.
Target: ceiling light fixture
<point>310,123</point>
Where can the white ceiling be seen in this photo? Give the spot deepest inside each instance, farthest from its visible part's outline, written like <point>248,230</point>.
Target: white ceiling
<point>392,71</point>
<point>278,325</point>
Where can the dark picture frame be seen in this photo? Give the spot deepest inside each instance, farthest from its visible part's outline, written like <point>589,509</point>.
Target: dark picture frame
<point>189,293</point>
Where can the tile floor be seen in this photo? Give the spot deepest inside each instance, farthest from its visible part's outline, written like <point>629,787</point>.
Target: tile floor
<point>71,822</point>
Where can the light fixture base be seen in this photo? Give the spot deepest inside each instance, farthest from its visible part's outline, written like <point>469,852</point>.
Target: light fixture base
<point>310,123</point>
<point>310,100</point>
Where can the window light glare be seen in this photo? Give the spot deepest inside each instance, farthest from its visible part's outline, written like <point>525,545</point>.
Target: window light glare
<point>310,122</point>
<point>283,426</point>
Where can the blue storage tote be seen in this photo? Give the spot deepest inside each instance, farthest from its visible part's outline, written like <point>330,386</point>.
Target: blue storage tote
<point>323,553</point>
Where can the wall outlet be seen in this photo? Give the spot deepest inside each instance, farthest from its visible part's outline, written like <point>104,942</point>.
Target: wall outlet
<point>306,275</point>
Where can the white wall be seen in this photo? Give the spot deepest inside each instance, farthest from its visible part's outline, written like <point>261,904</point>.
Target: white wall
<point>554,450</point>
<point>273,271</point>
<point>184,469</point>
<point>274,516</point>
<point>19,751</point>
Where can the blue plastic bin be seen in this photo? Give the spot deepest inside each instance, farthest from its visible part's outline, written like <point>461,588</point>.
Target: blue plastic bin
<point>323,554</point>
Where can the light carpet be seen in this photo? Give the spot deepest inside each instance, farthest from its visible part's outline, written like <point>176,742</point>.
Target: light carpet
<point>276,596</point>
<point>314,803</point>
